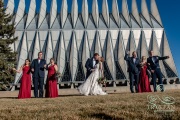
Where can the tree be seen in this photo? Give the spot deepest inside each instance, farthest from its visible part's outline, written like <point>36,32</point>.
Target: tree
<point>7,55</point>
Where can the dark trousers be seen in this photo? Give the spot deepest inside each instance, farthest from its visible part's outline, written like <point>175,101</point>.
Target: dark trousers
<point>134,80</point>
<point>88,74</point>
<point>157,74</point>
<point>38,84</point>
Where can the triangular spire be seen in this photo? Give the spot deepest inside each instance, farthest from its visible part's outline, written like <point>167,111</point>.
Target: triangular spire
<point>10,7</point>
<point>49,49</point>
<point>31,13</point>
<point>74,13</point>
<point>85,14</point>
<point>166,51</point>
<point>121,54</point>
<point>110,56</point>
<point>155,12</point>
<point>105,12</point>
<point>85,52</point>
<point>61,61</point>
<point>20,11</point>
<point>64,12</point>
<point>143,51</point>
<point>131,46</point>
<point>98,45</point>
<point>95,13</point>
<point>115,12</point>
<point>145,12</point>
<point>135,12</point>
<point>73,60</point>
<point>22,57</point>
<point>42,13</point>
<point>53,12</point>
<point>36,47</point>
<point>30,36</point>
<point>125,11</point>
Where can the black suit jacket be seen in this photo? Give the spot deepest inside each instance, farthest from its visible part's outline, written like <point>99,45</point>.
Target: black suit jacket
<point>89,66</point>
<point>154,65</point>
<point>39,70</point>
<point>132,67</point>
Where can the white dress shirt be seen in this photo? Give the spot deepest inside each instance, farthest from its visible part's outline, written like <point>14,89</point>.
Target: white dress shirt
<point>134,60</point>
<point>153,60</point>
<point>94,62</point>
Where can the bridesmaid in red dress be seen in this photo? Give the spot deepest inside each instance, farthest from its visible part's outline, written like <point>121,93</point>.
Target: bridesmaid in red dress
<point>25,87</point>
<point>51,85</point>
<point>144,84</point>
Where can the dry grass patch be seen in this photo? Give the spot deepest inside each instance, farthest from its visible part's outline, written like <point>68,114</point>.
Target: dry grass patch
<point>113,106</point>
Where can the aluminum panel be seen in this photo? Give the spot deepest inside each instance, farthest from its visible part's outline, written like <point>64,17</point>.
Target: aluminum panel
<point>95,13</point>
<point>74,13</point>
<point>64,12</point>
<point>115,12</point>
<point>125,11</point>
<point>31,13</point>
<point>85,13</point>
<point>42,13</point>
<point>135,12</point>
<point>10,7</point>
<point>61,56</point>
<point>20,11</point>
<point>110,56</point>
<point>73,57</point>
<point>121,54</point>
<point>155,12</point>
<point>85,52</point>
<point>53,12</point>
<point>145,11</point>
<point>22,57</point>
<point>105,12</point>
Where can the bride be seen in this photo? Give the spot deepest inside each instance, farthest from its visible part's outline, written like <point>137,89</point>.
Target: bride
<point>91,86</point>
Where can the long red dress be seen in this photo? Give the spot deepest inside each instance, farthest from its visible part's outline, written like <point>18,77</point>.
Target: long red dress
<point>144,84</point>
<point>25,87</point>
<point>51,85</point>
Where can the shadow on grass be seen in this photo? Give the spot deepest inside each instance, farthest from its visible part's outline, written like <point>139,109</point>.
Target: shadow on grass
<point>100,116</point>
<point>8,97</point>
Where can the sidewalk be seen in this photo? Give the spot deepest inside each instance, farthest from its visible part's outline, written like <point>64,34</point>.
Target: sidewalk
<point>74,92</point>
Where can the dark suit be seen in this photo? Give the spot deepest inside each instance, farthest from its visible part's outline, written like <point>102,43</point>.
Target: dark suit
<point>157,71</point>
<point>133,69</point>
<point>38,76</point>
<point>89,66</point>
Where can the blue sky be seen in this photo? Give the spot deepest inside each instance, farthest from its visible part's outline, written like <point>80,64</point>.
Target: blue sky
<point>169,14</point>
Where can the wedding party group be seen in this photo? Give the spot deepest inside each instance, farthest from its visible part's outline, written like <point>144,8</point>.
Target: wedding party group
<point>139,71</point>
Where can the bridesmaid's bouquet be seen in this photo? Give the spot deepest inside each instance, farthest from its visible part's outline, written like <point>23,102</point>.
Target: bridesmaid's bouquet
<point>58,75</point>
<point>102,80</point>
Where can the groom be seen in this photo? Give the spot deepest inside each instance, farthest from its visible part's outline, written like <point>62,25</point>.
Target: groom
<point>37,68</point>
<point>90,64</point>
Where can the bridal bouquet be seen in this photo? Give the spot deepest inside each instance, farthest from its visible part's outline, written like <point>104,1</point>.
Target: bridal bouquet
<point>102,80</point>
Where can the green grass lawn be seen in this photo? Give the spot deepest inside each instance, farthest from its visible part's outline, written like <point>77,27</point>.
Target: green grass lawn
<point>112,106</point>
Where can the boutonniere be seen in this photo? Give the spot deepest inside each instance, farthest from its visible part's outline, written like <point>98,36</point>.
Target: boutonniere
<point>157,57</point>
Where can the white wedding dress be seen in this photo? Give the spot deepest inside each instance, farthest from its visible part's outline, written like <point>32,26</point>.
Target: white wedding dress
<point>91,86</point>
